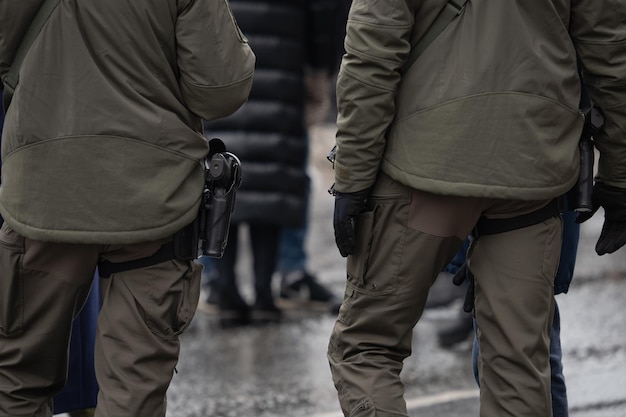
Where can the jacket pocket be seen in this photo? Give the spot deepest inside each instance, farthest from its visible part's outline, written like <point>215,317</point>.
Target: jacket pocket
<point>11,284</point>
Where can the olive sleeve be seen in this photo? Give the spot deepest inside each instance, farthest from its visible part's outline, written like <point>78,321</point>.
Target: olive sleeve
<point>215,61</point>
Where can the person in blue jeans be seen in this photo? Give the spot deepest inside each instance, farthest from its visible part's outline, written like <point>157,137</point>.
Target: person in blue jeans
<point>565,272</point>
<point>297,284</point>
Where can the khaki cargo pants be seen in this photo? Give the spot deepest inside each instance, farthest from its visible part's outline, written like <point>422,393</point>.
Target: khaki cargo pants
<point>403,242</point>
<point>44,285</point>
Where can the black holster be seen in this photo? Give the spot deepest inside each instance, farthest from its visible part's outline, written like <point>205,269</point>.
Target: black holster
<point>579,197</point>
<point>208,234</point>
<point>222,179</point>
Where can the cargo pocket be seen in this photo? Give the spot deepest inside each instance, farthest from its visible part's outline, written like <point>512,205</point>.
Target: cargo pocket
<point>357,262</point>
<point>11,283</point>
<point>168,312</point>
<point>380,243</point>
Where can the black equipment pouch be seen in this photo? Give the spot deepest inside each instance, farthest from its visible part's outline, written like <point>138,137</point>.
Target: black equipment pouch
<point>185,243</point>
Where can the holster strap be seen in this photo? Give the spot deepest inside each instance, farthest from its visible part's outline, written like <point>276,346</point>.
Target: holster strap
<point>487,226</point>
<point>165,253</point>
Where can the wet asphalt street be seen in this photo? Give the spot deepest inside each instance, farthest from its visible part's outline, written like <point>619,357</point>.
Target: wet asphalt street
<point>281,369</point>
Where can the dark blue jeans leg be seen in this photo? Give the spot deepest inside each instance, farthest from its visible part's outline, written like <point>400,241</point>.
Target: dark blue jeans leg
<point>291,254</point>
<point>569,248</point>
<point>559,391</point>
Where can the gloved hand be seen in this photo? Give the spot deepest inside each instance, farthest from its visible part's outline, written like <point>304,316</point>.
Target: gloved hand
<point>613,200</point>
<point>461,275</point>
<point>347,206</point>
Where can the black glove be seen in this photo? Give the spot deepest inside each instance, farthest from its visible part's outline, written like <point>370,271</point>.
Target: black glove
<point>347,206</point>
<point>461,275</point>
<point>613,200</point>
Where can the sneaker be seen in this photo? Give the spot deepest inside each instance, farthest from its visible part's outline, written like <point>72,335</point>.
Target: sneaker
<point>303,287</point>
<point>265,311</point>
<point>233,310</point>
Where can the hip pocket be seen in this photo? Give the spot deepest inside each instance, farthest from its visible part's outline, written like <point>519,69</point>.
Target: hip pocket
<point>357,262</point>
<point>380,240</point>
<point>169,311</point>
<point>189,301</point>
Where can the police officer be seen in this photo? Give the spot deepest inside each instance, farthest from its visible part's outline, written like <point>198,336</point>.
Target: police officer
<point>477,134</point>
<point>102,155</point>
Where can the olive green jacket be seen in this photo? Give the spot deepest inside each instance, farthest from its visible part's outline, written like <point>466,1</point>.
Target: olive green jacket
<point>490,109</point>
<point>103,140</point>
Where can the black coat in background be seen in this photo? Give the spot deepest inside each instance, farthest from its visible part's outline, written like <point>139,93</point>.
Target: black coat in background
<point>269,133</point>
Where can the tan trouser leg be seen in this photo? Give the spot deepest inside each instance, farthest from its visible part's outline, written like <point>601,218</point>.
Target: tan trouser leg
<point>137,346</point>
<point>387,285</point>
<point>42,287</point>
<point>514,277</point>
